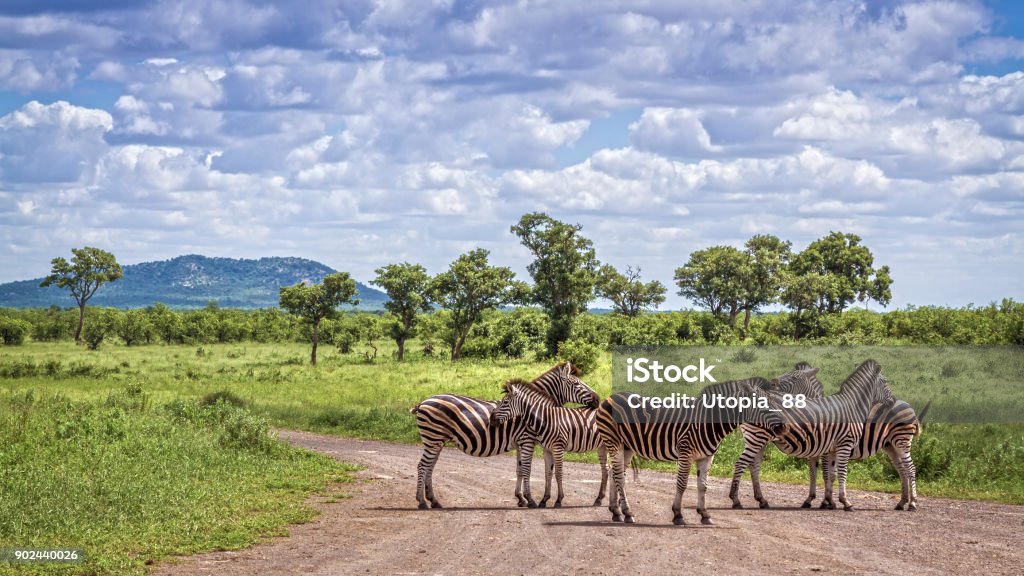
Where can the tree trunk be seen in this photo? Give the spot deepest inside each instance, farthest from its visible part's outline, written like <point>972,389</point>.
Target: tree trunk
<point>746,322</point>
<point>457,349</point>
<point>81,320</point>
<point>401,347</point>
<point>312,356</point>
<point>733,313</point>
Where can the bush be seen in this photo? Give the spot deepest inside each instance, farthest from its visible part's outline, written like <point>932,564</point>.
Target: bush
<point>226,396</point>
<point>582,355</point>
<point>13,331</point>
<point>94,333</point>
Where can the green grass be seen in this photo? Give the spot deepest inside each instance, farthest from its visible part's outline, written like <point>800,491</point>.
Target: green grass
<point>131,481</point>
<point>348,395</point>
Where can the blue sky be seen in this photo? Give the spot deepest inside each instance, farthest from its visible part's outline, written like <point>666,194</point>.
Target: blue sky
<point>367,132</point>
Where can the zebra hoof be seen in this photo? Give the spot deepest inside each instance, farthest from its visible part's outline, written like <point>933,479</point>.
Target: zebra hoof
<point>737,504</point>
<point>598,501</point>
<point>806,504</point>
<point>899,506</point>
<point>848,507</point>
<point>678,520</point>
<point>616,517</point>
<point>763,504</point>
<point>436,505</point>
<point>423,505</point>
<point>706,520</point>
<point>912,508</point>
<point>532,504</point>
<point>629,519</point>
<point>558,503</point>
<point>542,504</point>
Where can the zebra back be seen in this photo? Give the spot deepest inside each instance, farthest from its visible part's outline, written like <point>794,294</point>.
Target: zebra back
<point>660,434</point>
<point>545,418</point>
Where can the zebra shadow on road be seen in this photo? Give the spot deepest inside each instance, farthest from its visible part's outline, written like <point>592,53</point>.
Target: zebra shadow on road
<point>473,508</point>
<point>810,510</point>
<point>624,526</point>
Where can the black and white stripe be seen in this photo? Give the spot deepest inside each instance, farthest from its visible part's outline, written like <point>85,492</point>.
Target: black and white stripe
<point>833,425</point>
<point>557,428</point>
<point>467,422</point>
<point>802,380</point>
<point>684,436</point>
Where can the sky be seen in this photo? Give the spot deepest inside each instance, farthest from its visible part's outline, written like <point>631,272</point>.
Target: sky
<point>362,133</point>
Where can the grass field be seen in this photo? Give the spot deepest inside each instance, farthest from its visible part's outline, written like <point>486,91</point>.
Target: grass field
<point>130,479</point>
<point>972,445</point>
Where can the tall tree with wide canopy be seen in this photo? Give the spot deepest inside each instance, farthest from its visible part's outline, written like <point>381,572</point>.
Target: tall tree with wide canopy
<point>314,302</point>
<point>564,271</point>
<point>407,286</point>
<point>628,293</point>
<point>468,288</point>
<point>89,269</point>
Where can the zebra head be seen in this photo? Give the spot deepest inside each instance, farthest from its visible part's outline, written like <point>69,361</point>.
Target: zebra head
<point>563,383</point>
<point>759,408</point>
<point>802,379</point>
<point>514,402</point>
<point>867,384</point>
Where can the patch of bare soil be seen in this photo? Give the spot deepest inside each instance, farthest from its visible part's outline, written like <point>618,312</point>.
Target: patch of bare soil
<point>379,530</point>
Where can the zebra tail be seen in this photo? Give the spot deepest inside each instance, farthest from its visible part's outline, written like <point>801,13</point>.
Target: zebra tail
<point>414,409</point>
<point>634,463</point>
<point>924,411</point>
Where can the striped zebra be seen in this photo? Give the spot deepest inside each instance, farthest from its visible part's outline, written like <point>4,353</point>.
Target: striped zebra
<point>890,428</point>
<point>803,380</point>
<point>467,422</point>
<point>557,428</point>
<point>833,425</point>
<point>685,435</point>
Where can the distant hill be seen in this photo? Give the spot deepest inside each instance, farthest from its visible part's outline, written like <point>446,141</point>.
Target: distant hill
<point>190,282</point>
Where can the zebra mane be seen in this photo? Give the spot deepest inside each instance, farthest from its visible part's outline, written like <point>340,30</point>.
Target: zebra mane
<point>757,383</point>
<point>808,383</point>
<point>864,377</point>
<point>572,369</point>
<point>507,387</point>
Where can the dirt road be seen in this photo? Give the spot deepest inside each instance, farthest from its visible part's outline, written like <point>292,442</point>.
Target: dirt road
<point>379,530</point>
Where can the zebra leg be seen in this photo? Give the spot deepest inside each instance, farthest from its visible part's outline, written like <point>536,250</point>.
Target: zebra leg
<point>755,479</point>
<point>842,466</point>
<point>702,487</point>
<point>558,454</point>
<point>425,476</point>
<point>602,456</point>
<point>812,463</point>
<point>829,476</point>
<point>525,461</point>
<point>900,458</point>
<point>616,491</point>
<point>682,475</point>
<point>737,474</point>
<point>549,464</point>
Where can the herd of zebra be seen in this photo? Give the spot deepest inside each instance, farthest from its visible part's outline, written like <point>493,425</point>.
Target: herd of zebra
<point>860,420</point>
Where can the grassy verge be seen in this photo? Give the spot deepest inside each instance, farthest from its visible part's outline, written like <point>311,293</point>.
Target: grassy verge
<point>349,395</point>
<point>131,482</point>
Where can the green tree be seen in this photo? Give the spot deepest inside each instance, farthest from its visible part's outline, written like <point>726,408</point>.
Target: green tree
<point>166,322</point>
<point>847,267</point>
<point>314,302</point>
<point>407,288</point>
<point>468,288</point>
<point>628,294</point>
<point>716,278</point>
<point>768,257</point>
<point>564,271</point>
<point>89,269</point>
<point>134,327</point>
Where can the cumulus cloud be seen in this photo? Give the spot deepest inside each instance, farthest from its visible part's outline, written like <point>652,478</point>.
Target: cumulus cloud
<point>417,130</point>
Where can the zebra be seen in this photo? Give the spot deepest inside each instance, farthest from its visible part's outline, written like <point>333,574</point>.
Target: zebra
<point>682,435</point>
<point>558,429</point>
<point>890,428</point>
<point>801,380</point>
<point>833,425</point>
<point>467,422</point>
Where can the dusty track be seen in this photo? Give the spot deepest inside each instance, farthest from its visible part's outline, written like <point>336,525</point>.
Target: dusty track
<point>380,531</point>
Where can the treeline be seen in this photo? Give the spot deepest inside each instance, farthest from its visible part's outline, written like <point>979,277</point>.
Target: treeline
<point>516,333</point>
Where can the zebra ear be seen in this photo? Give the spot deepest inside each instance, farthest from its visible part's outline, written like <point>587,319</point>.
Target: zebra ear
<point>813,371</point>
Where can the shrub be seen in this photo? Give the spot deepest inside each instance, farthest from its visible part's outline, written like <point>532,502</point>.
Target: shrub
<point>93,334</point>
<point>582,355</point>
<point>745,355</point>
<point>13,331</point>
<point>226,396</point>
